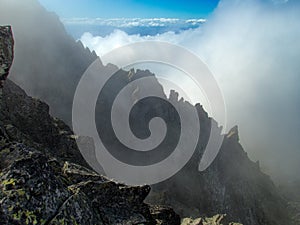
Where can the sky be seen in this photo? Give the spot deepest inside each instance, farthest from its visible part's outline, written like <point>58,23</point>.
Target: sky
<point>131,8</point>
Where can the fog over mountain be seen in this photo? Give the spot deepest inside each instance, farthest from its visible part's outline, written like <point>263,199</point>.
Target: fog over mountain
<point>45,55</point>
<point>252,49</point>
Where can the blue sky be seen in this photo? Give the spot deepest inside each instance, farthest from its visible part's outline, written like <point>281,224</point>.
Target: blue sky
<point>131,8</point>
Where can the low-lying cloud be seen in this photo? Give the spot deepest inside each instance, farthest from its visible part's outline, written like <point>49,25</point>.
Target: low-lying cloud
<point>143,26</point>
<point>117,38</point>
<point>134,22</point>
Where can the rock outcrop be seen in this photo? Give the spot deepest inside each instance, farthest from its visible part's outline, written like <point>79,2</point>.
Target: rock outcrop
<point>6,52</point>
<point>35,189</point>
<point>215,220</point>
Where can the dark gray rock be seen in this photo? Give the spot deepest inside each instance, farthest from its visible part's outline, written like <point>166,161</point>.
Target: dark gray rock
<point>164,215</point>
<point>43,179</point>
<point>232,185</point>
<point>6,52</point>
<point>27,120</point>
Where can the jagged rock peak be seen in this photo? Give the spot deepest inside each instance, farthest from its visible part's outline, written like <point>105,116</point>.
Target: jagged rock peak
<point>173,96</point>
<point>6,51</point>
<point>233,133</point>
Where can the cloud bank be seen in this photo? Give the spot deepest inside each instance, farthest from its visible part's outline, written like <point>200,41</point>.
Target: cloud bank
<point>134,22</point>
<point>253,49</point>
<point>150,26</point>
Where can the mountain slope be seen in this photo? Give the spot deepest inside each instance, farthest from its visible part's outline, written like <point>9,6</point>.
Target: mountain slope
<point>38,185</point>
<point>232,185</point>
<point>41,179</point>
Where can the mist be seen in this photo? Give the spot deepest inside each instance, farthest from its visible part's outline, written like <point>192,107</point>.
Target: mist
<point>253,50</point>
<point>252,47</point>
<point>48,63</point>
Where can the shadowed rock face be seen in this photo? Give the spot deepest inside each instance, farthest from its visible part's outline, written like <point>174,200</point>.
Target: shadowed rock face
<point>42,175</point>
<point>231,185</point>
<point>43,179</point>
<point>6,52</point>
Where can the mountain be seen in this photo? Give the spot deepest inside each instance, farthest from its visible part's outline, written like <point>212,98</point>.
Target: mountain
<point>38,185</point>
<point>231,185</point>
<point>48,64</point>
<point>42,175</point>
<point>44,179</point>
<point>6,54</point>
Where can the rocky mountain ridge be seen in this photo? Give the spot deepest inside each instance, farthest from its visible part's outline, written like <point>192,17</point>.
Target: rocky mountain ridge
<point>43,179</point>
<point>38,185</point>
<point>232,185</point>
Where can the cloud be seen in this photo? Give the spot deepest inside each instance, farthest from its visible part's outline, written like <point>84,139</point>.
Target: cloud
<point>119,38</point>
<point>253,49</point>
<point>132,26</point>
<point>133,22</point>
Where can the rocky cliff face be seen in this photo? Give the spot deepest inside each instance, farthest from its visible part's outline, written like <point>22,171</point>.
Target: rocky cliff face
<point>6,52</point>
<point>42,175</point>
<point>232,184</point>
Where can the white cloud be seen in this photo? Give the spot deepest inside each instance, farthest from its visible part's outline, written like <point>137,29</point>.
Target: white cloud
<point>119,38</point>
<point>253,49</point>
<point>132,22</point>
